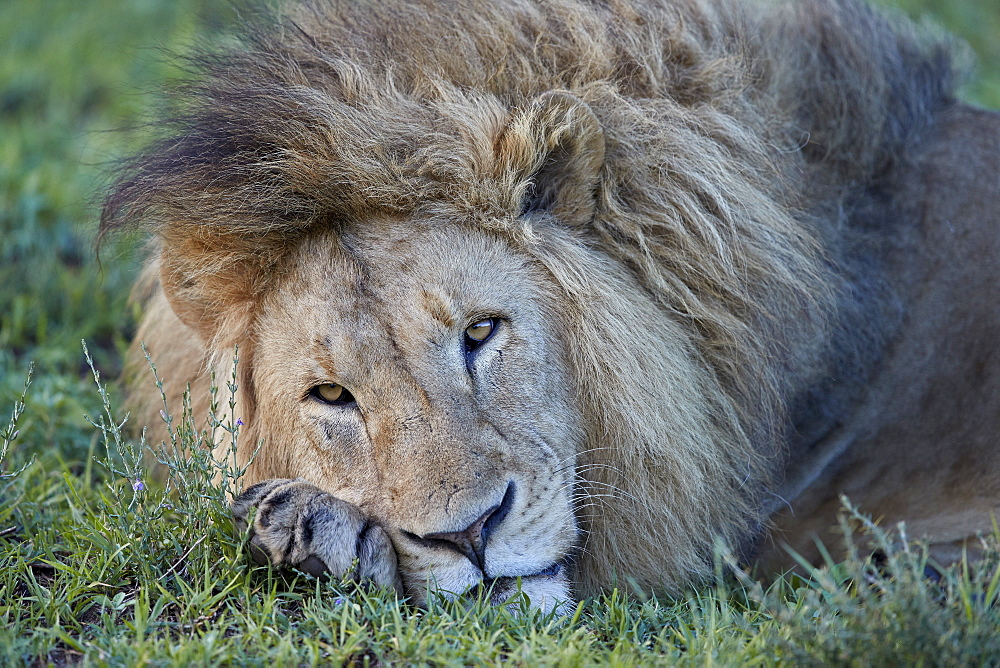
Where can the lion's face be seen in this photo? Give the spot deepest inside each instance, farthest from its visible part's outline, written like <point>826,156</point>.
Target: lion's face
<point>417,372</point>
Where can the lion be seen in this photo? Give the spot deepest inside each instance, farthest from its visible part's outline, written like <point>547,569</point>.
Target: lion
<point>547,295</point>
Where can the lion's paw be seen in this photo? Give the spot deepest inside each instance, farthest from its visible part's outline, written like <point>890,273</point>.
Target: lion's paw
<point>299,525</point>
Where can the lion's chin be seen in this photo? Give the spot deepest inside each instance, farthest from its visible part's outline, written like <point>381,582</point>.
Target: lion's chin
<point>547,590</point>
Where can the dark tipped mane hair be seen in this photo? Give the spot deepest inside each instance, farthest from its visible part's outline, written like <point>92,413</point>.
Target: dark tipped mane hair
<point>748,148</point>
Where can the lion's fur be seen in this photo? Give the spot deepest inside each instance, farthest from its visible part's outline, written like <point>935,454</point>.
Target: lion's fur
<point>725,247</point>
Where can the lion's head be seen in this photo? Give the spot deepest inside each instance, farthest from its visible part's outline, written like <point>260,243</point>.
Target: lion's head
<point>497,279</point>
<point>432,404</point>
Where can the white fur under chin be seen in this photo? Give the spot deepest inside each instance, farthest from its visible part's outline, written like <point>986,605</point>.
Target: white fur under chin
<point>548,593</point>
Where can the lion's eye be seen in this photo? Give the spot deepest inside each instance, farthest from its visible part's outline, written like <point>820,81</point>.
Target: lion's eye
<point>477,333</point>
<point>332,394</point>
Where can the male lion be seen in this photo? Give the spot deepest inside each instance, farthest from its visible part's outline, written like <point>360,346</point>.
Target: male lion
<point>559,291</point>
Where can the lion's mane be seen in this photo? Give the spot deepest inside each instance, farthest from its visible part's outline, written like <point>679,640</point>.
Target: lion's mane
<point>742,142</point>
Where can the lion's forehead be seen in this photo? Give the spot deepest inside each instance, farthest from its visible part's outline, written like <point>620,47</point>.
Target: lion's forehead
<point>371,286</point>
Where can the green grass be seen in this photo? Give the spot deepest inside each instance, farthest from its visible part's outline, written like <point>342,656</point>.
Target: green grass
<point>94,570</point>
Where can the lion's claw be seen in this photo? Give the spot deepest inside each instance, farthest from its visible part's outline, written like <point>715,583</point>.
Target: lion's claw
<point>299,525</point>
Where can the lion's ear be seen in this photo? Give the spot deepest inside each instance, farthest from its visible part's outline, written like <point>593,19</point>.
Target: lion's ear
<point>555,145</point>
<point>211,283</point>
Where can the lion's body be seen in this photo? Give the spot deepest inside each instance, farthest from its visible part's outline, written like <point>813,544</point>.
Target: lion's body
<point>740,241</point>
<point>922,446</point>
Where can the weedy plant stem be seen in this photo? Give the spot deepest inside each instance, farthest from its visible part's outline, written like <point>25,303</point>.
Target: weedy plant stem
<point>11,432</point>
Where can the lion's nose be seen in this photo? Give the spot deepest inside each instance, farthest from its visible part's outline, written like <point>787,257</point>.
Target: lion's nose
<point>471,541</point>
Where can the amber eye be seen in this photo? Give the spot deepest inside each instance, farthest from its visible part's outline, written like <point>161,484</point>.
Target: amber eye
<point>477,333</point>
<point>332,394</point>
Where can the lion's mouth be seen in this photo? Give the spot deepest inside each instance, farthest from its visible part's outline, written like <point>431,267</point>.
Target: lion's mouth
<point>550,571</point>
<point>547,588</point>
<point>507,582</point>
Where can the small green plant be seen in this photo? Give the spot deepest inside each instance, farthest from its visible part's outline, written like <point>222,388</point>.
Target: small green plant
<point>10,433</point>
<point>888,602</point>
<point>8,496</point>
<point>190,454</point>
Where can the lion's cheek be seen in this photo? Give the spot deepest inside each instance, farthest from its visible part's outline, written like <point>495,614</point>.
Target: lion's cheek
<point>331,456</point>
<point>539,534</point>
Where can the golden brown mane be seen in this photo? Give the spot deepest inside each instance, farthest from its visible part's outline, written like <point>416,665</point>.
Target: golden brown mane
<point>741,146</point>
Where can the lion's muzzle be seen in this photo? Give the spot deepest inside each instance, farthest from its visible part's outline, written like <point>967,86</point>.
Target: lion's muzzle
<point>470,542</point>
